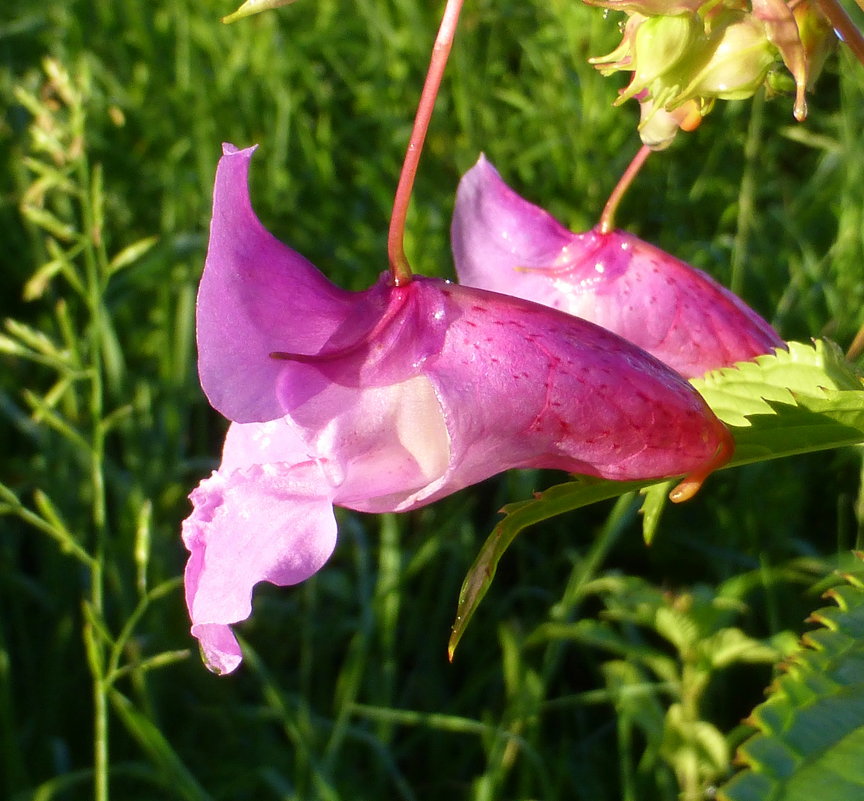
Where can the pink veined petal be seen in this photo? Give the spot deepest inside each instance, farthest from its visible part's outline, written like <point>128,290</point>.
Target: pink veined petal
<point>516,385</point>
<point>524,386</point>
<point>500,365</point>
<point>492,224</point>
<point>674,311</point>
<point>272,523</point>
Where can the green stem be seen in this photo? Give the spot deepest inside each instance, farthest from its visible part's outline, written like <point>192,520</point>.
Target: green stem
<point>94,268</point>
<point>747,193</point>
<point>400,270</point>
<point>65,541</point>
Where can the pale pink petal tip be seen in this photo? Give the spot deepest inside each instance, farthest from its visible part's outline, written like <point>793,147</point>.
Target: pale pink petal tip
<point>219,648</point>
<point>272,522</point>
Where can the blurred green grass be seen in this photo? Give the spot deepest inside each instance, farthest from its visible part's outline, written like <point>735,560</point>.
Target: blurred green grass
<point>347,694</point>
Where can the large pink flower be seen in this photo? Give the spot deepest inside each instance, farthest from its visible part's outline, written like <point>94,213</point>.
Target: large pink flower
<point>388,399</point>
<point>674,311</point>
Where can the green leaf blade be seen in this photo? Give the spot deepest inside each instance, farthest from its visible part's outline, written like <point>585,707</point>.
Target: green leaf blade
<point>554,501</point>
<point>811,729</point>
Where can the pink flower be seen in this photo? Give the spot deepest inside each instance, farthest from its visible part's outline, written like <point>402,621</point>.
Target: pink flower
<point>677,313</point>
<point>388,399</point>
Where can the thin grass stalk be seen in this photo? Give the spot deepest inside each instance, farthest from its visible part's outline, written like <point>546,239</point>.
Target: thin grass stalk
<point>747,193</point>
<point>95,266</point>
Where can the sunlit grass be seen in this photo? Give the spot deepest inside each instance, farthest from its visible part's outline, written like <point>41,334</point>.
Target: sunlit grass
<point>347,694</point>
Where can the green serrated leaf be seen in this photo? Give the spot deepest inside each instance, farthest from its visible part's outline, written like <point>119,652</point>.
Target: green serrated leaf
<point>731,645</point>
<point>598,635</point>
<point>635,697</point>
<point>813,424</point>
<point>804,399</point>
<point>811,728</point>
<point>756,387</point>
<point>687,741</point>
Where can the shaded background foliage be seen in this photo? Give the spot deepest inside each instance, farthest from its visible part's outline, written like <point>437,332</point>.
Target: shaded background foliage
<point>347,694</point>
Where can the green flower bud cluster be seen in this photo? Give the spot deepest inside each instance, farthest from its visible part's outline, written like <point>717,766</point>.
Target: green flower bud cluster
<point>686,54</point>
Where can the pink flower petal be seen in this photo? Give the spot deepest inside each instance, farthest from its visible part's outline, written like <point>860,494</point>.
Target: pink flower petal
<point>250,444</point>
<point>268,523</point>
<point>517,385</point>
<point>674,311</point>
<point>254,287</point>
<point>388,399</point>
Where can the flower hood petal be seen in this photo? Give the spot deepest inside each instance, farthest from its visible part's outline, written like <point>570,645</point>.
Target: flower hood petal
<point>674,311</point>
<point>253,286</point>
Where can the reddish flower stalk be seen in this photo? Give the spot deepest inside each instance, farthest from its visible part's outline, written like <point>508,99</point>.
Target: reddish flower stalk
<point>857,346</point>
<point>843,24</point>
<point>400,270</point>
<point>607,218</point>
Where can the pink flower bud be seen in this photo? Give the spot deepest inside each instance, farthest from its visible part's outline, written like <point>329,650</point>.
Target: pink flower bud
<point>674,311</point>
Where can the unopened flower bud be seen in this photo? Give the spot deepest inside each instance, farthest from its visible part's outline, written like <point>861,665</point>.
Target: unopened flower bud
<point>659,44</point>
<point>739,62</point>
<point>658,127</point>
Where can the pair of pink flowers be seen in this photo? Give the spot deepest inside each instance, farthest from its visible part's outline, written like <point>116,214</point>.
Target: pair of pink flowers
<point>388,399</point>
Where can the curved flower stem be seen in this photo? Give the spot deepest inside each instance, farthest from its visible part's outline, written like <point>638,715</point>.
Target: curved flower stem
<point>843,24</point>
<point>607,218</point>
<point>857,346</point>
<point>400,270</point>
